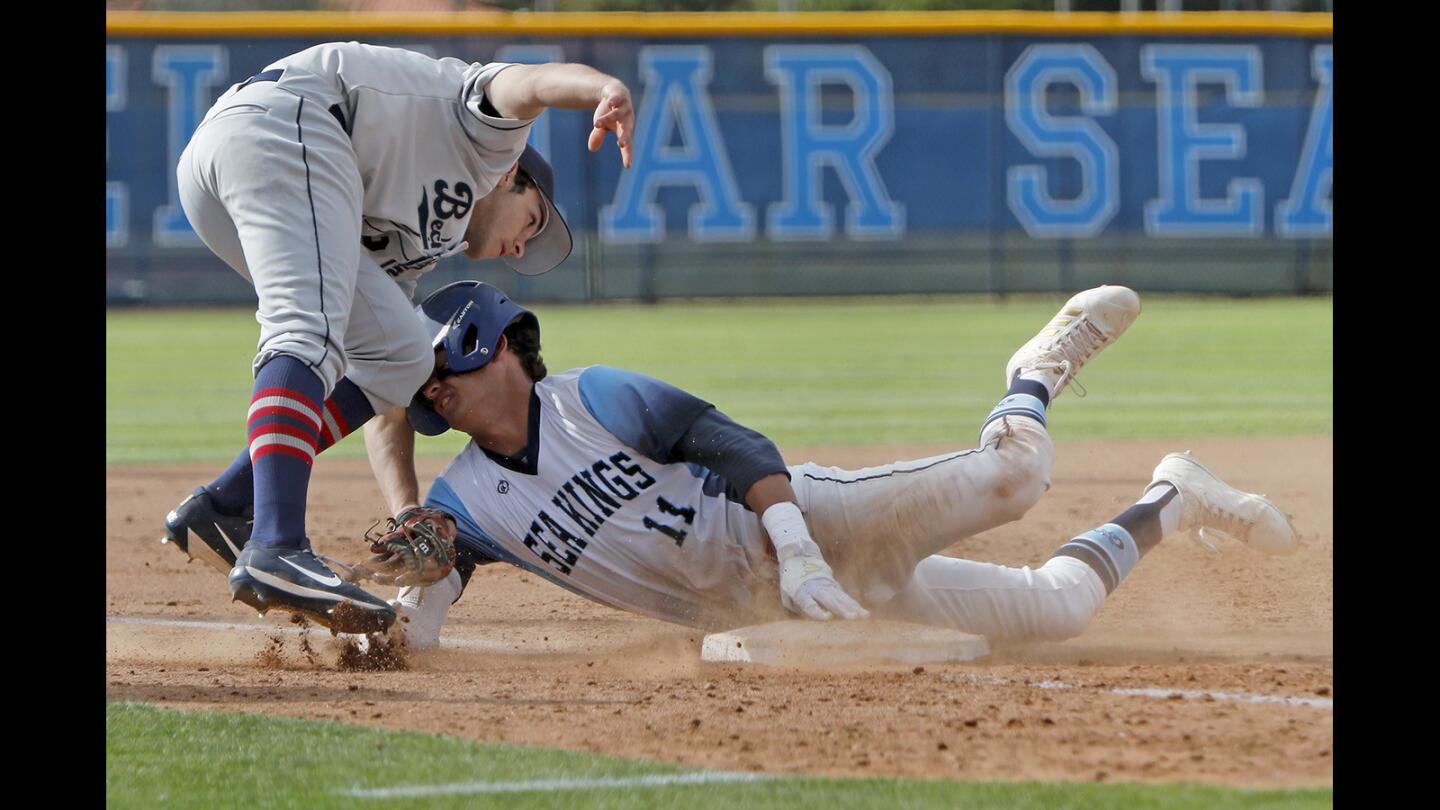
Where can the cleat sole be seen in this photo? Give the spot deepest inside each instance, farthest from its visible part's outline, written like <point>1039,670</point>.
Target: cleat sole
<point>344,617</point>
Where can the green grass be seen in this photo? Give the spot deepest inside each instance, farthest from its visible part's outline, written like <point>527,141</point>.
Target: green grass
<point>807,373</point>
<point>160,757</point>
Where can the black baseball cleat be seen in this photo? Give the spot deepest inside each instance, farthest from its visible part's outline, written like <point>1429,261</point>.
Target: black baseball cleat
<point>220,536</point>
<point>296,581</point>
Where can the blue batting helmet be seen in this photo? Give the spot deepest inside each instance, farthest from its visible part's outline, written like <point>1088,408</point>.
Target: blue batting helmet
<point>466,319</point>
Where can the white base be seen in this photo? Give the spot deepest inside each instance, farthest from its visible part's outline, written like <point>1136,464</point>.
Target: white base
<point>838,643</point>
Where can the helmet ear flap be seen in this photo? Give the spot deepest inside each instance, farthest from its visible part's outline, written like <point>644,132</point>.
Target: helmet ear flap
<point>423,419</point>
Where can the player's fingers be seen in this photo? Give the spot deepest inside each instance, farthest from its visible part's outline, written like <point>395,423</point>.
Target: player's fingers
<point>363,570</point>
<point>623,136</point>
<point>836,600</point>
<point>597,138</point>
<point>811,608</point>
<point>347,572</point>
<point>607,119</point>
<point>389,564</point>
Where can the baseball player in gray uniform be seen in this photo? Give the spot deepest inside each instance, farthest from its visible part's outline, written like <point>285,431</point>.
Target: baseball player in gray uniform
<point>640,496</point>
<point>331,181</point>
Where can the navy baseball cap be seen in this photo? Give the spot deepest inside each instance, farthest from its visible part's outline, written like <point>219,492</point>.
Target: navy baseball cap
<point>552,245</point>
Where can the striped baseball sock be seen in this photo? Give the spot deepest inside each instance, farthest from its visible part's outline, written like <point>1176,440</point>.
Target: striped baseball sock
<point>284,425</point>
<point>1112,550</point>
<point>345,411</point>
<point>1027,398</point>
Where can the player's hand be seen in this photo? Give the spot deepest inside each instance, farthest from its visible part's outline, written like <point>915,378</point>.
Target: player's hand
<point>615,113</point>
<point>418,548</point>
<point>808,586</point>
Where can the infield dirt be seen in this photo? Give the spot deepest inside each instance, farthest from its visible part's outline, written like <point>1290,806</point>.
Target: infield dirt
<point>552,669</point>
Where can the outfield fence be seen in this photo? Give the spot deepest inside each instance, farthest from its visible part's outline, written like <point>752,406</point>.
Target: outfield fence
<point>826,153</point>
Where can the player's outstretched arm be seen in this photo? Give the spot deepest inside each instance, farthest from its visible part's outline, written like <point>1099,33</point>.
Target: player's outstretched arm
<point>672,426</point>
<point>390,443</point>
<point>807,584</point>
<point>525,91</point>
<point>418,548</point>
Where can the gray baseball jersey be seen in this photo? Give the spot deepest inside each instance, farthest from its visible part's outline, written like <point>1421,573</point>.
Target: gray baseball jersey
<point>330,177</point>
<point>425,148</point>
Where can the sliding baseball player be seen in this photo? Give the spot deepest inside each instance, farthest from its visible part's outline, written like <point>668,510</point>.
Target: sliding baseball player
<point>643,497</point>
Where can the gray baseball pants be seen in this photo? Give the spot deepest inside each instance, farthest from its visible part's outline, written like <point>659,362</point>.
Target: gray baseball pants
<point>269,181</point>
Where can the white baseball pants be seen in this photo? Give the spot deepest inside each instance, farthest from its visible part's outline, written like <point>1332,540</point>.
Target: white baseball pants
<point>880,529</point>
<point>269,181</point>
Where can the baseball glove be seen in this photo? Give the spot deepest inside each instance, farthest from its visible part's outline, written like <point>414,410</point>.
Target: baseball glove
<point>417,547</point>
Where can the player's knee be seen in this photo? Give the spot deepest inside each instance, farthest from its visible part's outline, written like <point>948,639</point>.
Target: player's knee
<point>302,347</point>
<point>409,361</point>
<point>417,363</point>
<point>1023,480</point>
<point>394,376</point>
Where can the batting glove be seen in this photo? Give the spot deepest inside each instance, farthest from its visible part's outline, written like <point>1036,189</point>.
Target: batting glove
<point>808,587</point>
<point>807,584</point>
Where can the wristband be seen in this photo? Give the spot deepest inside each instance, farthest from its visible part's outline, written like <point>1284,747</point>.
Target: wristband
<point>786,527</point>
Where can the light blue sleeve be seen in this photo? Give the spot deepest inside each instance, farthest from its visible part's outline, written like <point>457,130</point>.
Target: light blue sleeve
<point>642,412</point>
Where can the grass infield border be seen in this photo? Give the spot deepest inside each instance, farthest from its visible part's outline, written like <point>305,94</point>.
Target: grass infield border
<point>159,756</point>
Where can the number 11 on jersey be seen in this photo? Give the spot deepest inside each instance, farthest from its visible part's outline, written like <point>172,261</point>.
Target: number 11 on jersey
<point>678,535</point>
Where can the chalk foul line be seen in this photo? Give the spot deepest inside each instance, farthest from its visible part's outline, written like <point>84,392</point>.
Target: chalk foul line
<point>198,624</point>
<point>495,646</point>
<point>1165,694</point>
<point>552,785</point>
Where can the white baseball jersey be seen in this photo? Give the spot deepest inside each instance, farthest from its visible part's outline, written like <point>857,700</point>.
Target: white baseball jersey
<point>592,506</point>
<point>592,510</point>
<point>425,149</point>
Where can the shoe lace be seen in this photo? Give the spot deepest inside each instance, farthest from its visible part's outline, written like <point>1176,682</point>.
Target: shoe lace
<point>1201,536</point>
<point>1069,352</point>
<point>1227,525</point>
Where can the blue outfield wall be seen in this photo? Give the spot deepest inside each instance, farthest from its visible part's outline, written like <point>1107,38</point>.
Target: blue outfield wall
<point>830,165</point>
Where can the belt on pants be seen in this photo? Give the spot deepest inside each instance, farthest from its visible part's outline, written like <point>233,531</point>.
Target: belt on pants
<point>274,74</point>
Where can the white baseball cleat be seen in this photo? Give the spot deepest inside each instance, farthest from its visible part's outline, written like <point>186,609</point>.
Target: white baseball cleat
<point>422,611</point>
<point>1211,505</point>
<point>1089,321</point>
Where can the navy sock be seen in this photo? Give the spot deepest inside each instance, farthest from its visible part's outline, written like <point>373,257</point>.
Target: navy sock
<point>284,423</point>
<point>1034,388</point>
<point>1143,521</point>
<point>234,490</point>
<point>1026,398</point>
<point>1112,550</point>
<point>1109,550</point>
<point>346,410</point>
